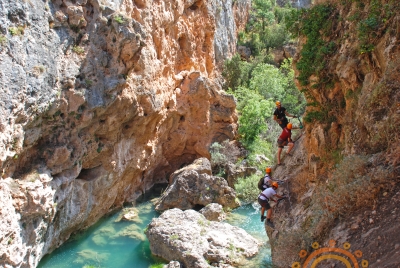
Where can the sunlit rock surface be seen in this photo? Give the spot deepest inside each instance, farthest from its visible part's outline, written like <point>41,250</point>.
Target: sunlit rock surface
<point>194,186</point>
<point>188,237</point>
<point>100,100</point>
<point>213,212</point>
<point>343,177</point>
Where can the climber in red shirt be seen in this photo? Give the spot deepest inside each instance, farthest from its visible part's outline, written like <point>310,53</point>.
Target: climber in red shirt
<point>285,139</point>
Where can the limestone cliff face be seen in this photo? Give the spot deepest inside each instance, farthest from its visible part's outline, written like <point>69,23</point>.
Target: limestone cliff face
<point>347,167</point>
<point>99,101</point>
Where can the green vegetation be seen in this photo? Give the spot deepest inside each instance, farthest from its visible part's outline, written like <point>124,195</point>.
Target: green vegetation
<point>256,92</point>
<point>20,30</point>
<point>316,24</point>
<point>222,154</point>
<point>372,22</point>
<point>157,265</point>
<point>246,188</point>
<point>257,83</point>
<point>119,19</point>
<point>78,50</point>
<point>201,222</point>
<point>265,28</point>
<point>88,82</point>
<point>319,116</point>
<point>254,110</point>
<point>174,237</point>
<point>319,23</point>
<point>3,40</point>
<point>58,113</point>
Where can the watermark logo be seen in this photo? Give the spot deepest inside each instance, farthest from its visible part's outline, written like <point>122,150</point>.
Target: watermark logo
<point>341,254</point>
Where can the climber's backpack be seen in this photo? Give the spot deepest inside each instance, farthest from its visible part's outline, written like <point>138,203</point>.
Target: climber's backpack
<point>261,183</point>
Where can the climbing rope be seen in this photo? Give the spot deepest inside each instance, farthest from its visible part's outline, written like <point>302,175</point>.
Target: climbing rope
<point>301,124</point>
<point>302,131</point>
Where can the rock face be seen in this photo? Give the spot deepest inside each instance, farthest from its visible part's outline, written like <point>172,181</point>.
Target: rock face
<point>188,237</point>
<point>193,186</point>
<point>213,212</point>
<point>350,154</point>
<point>100,100</point>
<point>233,173</point>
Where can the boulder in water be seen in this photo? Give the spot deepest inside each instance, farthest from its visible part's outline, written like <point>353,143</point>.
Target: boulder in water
<point>213,212</point>
<point>188,237</point>
<point>193,186</point>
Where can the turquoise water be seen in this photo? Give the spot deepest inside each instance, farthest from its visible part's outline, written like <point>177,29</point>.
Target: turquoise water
<point>248,218</point>
<point>113,243</point>
<point>109,243</point>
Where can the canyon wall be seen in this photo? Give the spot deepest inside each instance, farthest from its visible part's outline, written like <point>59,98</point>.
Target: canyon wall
<point>100,100</point>
<point>343,179</point>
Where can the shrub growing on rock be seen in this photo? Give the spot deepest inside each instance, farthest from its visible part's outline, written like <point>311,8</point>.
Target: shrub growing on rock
<point>246,188</point>
<point>222,154</point>
<point>352,185</point>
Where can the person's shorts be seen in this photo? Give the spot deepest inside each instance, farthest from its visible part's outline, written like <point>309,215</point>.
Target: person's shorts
<point>283,125</point>
<point>264,203</point>
<point>283,122</point>
<point>282,143</point>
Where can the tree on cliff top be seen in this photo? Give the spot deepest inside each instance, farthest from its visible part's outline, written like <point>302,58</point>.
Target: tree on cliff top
<point>265,29</point>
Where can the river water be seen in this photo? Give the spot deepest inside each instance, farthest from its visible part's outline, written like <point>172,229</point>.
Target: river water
<point>113,243</point>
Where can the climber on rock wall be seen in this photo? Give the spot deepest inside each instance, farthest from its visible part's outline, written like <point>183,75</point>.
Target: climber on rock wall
<point>264,198</point>
<point>280,114</point>
<point>266,181</point>
<point>285,139</point>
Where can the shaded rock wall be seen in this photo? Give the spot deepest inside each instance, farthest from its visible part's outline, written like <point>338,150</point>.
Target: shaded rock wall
<point>99,101</point>
<point>350,141</point>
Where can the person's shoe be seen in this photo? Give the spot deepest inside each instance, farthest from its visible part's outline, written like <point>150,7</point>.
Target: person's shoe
<point>289,154</point>
<point>263,218</point>
<point>270,223</point>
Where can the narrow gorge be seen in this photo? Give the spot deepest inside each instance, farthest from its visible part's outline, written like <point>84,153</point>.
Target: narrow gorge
<point>103,99</point>
<point>100,100</point>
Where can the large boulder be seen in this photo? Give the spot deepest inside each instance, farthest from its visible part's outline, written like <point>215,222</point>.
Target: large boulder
<point>233,173</point>
<point>201,166</point>
<point>194,186</point>
<point>213,212</point>
<point>188,237</point>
